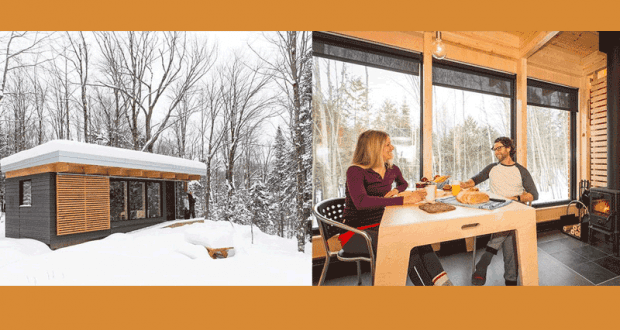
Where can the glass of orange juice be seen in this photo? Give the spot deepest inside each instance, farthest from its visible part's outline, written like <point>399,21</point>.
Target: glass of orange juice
<point>456,188</point>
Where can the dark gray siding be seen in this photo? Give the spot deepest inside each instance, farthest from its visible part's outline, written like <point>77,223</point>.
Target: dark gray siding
<point>31,221</point>
<point>39,220</point>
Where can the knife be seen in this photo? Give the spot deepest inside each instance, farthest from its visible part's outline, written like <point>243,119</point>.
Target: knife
<point>497,200</point>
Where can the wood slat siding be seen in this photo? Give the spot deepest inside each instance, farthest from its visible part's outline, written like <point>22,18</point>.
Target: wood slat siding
<point>82,204</point>
<point>598,136</point>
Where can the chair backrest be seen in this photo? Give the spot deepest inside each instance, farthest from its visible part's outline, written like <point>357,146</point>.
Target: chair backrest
<point>331,209</point>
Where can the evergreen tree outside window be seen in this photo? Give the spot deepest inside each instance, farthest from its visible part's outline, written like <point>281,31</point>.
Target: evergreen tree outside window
<point>25,193</point>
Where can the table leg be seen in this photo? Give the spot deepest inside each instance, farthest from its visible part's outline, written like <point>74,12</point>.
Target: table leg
<point>392,267</point>
<point>527,254</point>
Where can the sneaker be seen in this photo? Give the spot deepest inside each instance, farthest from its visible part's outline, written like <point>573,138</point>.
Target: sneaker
<point>478,278</point>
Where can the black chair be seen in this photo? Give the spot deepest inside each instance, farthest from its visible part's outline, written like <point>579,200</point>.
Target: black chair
<point>329,217</point>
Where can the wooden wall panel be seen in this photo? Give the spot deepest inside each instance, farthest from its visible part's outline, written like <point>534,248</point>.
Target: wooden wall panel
<point>598,132</point>
<point>82,204</point>
<point>598,121</point>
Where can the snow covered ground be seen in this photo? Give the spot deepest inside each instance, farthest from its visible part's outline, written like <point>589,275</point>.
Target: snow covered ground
<point>159,256</point>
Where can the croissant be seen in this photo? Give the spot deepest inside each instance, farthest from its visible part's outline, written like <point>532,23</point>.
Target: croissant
<point>472,196</point>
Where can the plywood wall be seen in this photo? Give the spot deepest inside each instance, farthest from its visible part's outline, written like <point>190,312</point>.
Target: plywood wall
<point>82,204</point>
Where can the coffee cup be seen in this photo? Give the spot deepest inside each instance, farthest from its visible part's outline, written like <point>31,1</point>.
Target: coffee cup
<point>431,191</point>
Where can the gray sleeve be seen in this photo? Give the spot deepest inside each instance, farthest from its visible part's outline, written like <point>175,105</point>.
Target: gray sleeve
<point>483,175</point>
<point>528,182</point>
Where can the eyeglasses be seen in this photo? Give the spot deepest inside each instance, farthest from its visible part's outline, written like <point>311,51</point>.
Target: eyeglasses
<point>495,149</point>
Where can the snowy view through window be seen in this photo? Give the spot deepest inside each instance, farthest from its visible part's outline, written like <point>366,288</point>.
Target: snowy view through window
<point>238,102</point>
<point>548,152</point>
<point>465,124</point>
<point>349,99</point>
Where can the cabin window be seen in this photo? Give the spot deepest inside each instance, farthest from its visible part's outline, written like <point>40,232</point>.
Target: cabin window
<point>137,200</point>
<point>118,201</point>
<point>359,86</point>
<point>25,193</point>
<point>181,198</point>
<point>471,108</point>
<point>153,190</point>
<point>551,140</point>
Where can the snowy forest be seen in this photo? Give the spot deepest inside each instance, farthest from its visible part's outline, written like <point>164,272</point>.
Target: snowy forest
<point>245,112</point>
<point>349,99</point>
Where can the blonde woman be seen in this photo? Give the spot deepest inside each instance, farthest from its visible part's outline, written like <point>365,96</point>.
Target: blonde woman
<point>369,190</point>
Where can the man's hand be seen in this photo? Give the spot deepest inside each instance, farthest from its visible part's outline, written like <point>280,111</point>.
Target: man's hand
<point>392,193</point>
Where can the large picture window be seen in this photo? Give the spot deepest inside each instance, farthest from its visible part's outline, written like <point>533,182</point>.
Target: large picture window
<point>356,87</point>
<point>133,199</point>
<point>551,121</point>
<point>118,200</point>
<point>153,190</point>
<point>471,108</point>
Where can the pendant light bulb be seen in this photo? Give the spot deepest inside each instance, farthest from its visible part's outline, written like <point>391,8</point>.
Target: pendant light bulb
<point>439,48</point>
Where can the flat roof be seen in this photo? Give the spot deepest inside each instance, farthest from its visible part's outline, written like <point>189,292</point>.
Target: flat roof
<point>64,151</point>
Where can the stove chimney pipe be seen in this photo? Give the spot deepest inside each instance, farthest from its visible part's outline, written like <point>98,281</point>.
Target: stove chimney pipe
<point>609,43</point>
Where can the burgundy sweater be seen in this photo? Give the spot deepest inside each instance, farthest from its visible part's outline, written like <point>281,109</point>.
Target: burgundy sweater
<point>364,201</point>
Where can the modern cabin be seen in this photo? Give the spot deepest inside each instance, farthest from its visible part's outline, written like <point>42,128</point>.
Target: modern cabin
<point>66,192</point>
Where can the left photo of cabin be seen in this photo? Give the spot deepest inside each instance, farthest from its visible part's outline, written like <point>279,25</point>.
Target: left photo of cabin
<point>66,192</point>
<point>155,158</point>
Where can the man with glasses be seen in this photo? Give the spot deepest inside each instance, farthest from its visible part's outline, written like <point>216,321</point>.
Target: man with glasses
<point>513,181</point>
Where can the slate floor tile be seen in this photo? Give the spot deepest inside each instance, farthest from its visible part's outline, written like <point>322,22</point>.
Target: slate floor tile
<point>589,252</point>
<point>610,263</point>
<point>569,258</point>
<point>594,272</point>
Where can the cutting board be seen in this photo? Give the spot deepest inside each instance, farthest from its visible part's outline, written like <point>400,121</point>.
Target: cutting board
<point>436,207</point>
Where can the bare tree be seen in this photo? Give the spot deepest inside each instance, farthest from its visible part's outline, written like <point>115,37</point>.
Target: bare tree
<point>80,53</point>
<point>294,50</point>
<point>211,133</point>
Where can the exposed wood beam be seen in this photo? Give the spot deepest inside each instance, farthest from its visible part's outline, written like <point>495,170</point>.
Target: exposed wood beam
<point>168,175</point>
<point>522,111</point>
<point>593,62</point>
<point>469,41</point>
<point>135,173</point>
<point>98,170</point>
<point>152,174</point>
<point>536,42</point>
<point>427,77</point>
<point>117,171</point>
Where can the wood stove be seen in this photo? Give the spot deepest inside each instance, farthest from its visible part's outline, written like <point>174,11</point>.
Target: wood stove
<point>603,211</point>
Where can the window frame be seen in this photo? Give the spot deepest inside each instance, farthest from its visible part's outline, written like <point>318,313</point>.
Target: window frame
<point>573,108</point>
<point>376,49</point>
<point>21,193</point>
<point>145,181</point>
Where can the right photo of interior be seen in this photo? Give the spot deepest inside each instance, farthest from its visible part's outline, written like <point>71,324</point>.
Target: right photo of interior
<point>449,158</point>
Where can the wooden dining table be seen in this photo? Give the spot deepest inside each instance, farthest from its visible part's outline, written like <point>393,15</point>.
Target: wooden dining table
<point>404,227</point>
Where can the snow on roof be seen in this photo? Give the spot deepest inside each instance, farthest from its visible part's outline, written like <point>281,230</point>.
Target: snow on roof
<point>92,154</point>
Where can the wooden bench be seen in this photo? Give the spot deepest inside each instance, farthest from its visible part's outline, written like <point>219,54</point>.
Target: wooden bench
<point>219,253</point>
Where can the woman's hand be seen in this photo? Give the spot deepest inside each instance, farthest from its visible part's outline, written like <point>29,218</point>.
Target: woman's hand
<point>391,193</point>
<point>414,197</point>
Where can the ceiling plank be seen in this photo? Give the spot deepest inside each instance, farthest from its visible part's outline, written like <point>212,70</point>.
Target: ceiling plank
<point>472,42</point>
<point>536,42</point>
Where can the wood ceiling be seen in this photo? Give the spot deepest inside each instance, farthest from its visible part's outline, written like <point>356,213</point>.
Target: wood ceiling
<point>581,43</point>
